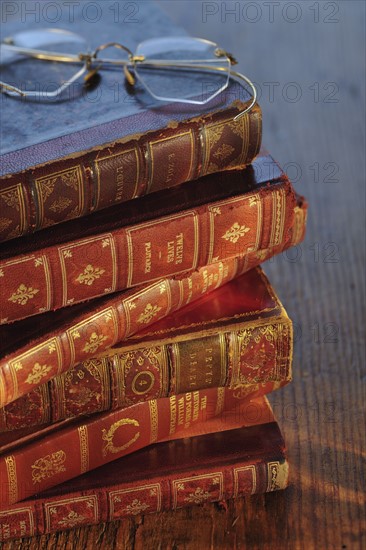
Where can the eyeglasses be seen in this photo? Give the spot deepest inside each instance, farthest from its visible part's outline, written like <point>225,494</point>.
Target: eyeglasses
<point>43,64</point>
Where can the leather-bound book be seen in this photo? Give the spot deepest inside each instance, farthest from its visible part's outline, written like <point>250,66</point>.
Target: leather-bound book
<point>221,216</point>
<point>238,336</point>
<point>85,444</point>
<point>232,461</point>
<point>35,350</point>
<point>61,160</point>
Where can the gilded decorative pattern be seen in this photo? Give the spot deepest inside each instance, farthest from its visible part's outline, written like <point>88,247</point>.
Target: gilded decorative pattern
<point>12,478</point>
<point>95,341</point>
<point>4,224</point>
<point>136,505</point>
<point>11,196</point>
<point>220,401</point>
<point>74,332</point>
<point>60,204</point>
<point>89,275</point>
<point>23,294</point>
<point>198,497</point>
<point>38,372</point>
<point>48,466</point>
<point>84,448</point>
<point>278,217</point>
<point>52,346</point>
<point>299,224</point>
<point>153,408</point>
<point>235,232</point>
<point>108,435</point>
<point>71,518</point>
<point>224,151</point>
<point>198,494</point>
<point>244,470</point>
<point>71,177</point>
<point>277,475</point>
<point>148,314</point>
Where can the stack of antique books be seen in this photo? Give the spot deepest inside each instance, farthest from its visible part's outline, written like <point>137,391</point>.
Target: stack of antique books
<point>138,337</point>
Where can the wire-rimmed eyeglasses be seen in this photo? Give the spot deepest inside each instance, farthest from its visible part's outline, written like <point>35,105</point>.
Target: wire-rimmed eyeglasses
<point>176,69</point>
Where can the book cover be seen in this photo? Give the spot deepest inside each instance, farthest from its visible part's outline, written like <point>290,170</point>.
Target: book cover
<point>63,159</point>
<point>237,336</point>
<point>240,456</point>
<point>221,216</point>
<point>84,445</point>
<point>37,349</point>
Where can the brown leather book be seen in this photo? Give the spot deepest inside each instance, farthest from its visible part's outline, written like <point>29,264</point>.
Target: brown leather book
<point>84,445</point>
<point>218,217</point>
<point>233,458</point>
<point>237,336</point>
<point>35,350</point>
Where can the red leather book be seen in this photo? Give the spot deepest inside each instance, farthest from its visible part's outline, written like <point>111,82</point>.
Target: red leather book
<point>35,350</point>
<point>85,445</point>
<point>64,159</point>
<point>230,462</point>
<point>237,336</point>
<point>218,217</point>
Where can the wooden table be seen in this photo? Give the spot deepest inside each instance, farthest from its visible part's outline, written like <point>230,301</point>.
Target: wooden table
<point>310,74</point>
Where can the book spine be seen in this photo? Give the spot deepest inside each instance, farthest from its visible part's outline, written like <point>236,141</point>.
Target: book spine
<point>202,484</point>
<point>83,446</point>
<point>73,187</point>
<point>76,271</point>
<point>255,353</point>
<point>118,318</point>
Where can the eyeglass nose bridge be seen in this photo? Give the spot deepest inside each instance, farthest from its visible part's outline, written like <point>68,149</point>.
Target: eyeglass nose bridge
<point>112,45</point>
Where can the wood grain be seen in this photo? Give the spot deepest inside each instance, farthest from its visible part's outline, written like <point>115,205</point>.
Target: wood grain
<point>322,412</point>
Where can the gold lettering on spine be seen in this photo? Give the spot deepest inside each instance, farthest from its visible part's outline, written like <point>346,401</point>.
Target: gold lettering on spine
<point>157,224</point>
<point>181,409</point>
<point>173,414</point>
<point>188,408</point>
<point>196,405</point>
<point>120,180</point>
<point>220,401</point>
<point>171,158</point>
<point>154,420</point>
<point>12,478</point>
<point>84,448</point>
<point>223,357</point>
